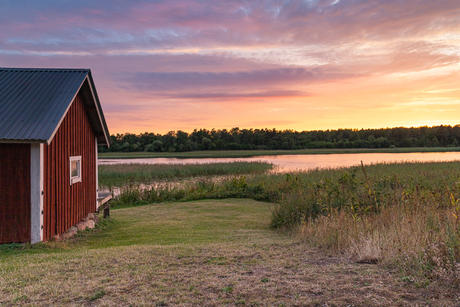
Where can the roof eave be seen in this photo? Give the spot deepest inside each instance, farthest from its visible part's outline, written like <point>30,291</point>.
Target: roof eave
<point>9,141</point>
<point>101,117</point>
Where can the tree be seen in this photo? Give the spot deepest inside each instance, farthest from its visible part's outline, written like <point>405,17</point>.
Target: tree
<point>238,139</point>
<point>157,145</point>
<point>181,137</point>
<point>207,143</point>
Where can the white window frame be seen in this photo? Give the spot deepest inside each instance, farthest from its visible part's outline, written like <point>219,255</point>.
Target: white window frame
<point>77,178</point>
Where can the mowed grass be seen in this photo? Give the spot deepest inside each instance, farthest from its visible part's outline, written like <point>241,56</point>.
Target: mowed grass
<point>188,223</point>
<point>201,253</point>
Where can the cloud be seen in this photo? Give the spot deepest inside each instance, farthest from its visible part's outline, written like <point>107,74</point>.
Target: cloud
<point>223,95</point>
<point>142,26</point>
<point>243,80</point>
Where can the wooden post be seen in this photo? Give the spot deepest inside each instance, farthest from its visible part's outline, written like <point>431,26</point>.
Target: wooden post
<point>36,192</point>
<point>106,212</point>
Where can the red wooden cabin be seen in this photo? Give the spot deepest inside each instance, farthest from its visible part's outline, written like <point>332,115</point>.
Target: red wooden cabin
<point>51,122</point>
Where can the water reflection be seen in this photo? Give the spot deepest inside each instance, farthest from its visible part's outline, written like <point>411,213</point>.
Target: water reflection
<point>306,162</point>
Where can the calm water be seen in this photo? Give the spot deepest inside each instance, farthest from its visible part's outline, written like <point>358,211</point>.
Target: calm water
<point>305,162</point>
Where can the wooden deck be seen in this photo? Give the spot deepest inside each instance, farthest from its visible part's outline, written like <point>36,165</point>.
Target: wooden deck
<point>103,197</point>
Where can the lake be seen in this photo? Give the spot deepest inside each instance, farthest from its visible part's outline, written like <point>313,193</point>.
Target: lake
<point>306,162</point>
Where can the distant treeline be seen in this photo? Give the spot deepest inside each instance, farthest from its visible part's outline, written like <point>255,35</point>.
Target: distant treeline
<point>263,139</point>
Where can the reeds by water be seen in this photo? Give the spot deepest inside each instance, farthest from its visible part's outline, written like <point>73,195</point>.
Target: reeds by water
<point>120,175</point>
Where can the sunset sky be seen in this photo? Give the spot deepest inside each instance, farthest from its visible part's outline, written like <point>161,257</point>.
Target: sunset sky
<point>304,65</point>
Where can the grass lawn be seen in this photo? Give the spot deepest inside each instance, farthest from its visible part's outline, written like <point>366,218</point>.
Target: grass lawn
<point>253,153</point>
<point>188,224</point>
<point>200,253</point>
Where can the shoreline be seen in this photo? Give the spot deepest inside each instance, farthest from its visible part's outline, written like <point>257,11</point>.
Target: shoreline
<point>255,153</point>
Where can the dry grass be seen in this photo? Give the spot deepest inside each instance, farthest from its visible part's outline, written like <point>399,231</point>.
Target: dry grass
<point>283,274</point>
<point>174,255</point>
<point>405,216</point>
<point>422,243</point>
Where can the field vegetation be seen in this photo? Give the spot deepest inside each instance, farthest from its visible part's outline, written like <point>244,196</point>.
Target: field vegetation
<point>119,175</point>
<point>403,215</point>
<point>369,235</point>
<point>201,253</point>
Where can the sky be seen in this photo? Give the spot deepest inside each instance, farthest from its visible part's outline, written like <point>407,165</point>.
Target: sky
<point>173,65</point>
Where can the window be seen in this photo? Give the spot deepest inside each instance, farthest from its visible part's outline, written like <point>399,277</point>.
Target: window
<point>75,169</point>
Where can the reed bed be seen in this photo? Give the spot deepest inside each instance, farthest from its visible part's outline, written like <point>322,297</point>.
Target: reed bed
<point>119,175</point>
<point>402,215</point>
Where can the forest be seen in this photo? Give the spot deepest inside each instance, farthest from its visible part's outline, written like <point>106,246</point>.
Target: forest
<point>266,139</point>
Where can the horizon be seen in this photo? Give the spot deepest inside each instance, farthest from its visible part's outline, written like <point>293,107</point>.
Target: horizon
<point>282,130</point>
<point>301,65</point>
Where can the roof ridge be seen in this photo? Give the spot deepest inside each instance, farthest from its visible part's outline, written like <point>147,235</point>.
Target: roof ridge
<point>44,69</point>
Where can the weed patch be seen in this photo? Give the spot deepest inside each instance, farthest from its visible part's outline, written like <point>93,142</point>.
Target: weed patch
<point>12,247</point>
<point>97,295</point>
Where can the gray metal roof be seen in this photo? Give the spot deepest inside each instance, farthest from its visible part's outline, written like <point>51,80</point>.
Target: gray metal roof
<point>33,103</point>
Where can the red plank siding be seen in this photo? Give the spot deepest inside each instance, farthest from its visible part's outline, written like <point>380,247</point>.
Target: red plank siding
<point>65,204</point>
<point>15,200</point>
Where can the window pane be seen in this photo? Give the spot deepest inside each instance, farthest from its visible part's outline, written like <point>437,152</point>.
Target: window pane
<point>74,169</point>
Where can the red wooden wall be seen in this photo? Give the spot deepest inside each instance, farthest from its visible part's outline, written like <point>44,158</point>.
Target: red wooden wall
<point>15,193</point>
<point>65,204</point>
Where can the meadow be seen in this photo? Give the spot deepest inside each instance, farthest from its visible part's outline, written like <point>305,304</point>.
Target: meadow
<point>199,253</point>
<point>384,234</point>
<point>403,215</point>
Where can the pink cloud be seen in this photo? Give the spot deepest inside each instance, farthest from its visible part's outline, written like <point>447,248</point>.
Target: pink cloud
<point>241,80</point>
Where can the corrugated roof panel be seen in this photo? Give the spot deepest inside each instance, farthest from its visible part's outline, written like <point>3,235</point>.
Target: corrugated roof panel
<point>33,101</point>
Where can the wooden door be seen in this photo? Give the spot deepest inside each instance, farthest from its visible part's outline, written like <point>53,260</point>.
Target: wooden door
<point>15,193</point>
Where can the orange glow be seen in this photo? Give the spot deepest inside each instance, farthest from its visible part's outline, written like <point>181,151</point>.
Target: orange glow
<point>303,65</point>
<point>372,102</point>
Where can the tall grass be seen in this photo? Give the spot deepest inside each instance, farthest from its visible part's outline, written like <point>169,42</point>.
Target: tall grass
<point>202,188</point>
<point>423,243</point>
<point>120,175</point>
<point>365,190</point>
<point>400,214</point>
